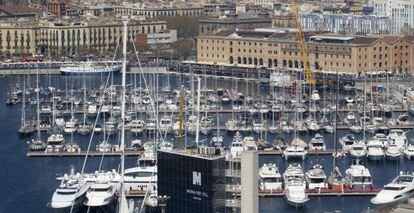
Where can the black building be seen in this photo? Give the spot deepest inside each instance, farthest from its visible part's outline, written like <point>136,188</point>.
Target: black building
<point>195,183</point>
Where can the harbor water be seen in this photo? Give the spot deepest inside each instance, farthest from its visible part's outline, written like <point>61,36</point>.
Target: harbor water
<point>28,183</point>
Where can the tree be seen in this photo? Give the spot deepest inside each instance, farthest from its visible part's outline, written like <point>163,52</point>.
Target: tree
<point>183,48</point>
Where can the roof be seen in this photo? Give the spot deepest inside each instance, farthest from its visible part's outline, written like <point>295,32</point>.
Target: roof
<point>17,9</point>
<point>409,38</point>
<point>391,39</point>
<point>364,40</point>
<point>224,33</point>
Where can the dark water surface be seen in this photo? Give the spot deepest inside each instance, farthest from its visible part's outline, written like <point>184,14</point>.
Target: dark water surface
<point>27,184</point>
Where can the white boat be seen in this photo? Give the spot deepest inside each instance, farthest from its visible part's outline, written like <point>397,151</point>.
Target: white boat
<point>70,126</point>
<point>71,147</point>
<point>294,152</point>
<point>398,137</point>
<point>393,152</point>
<point>270,178</point>
<point>409,152</point>
<point>70,192</point>
<point>316,178</point>
<point>402,187</point>
<point>279,79</point>
<point>358,150</point>
<point>166,124</point>
<point>317,143</point>
<point>358,177</point>
<point>236,146</point>
<point>295,186</point>
<point>88,67</point>
<point>374,150</point>
<point>136,126</point>
<point>92,110</point>
<point>347,141</point>
<point>206,124</point>
<point>141,178</point>
<point>55,142</point>
<point>101,193</point>
<point>350,118</point>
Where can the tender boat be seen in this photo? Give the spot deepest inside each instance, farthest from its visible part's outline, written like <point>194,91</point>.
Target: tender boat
<point>295,186</point>
<point>316,177</point>
<point>270,178</point>
<point>402,187</point>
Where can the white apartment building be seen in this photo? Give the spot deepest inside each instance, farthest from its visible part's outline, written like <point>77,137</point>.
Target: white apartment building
<point>401,13</point>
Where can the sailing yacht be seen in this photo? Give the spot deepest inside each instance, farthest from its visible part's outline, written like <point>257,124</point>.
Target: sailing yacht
<point>295,186</point>
<point>70,192</point>
<point>270,178</point>
<point>402,187</point>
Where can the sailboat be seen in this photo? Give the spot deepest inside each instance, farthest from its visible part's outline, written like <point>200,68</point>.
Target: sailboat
<point>26,127</point>
<point>37,144</point>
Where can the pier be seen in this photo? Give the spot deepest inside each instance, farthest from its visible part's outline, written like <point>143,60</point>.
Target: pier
<point>82,154</point>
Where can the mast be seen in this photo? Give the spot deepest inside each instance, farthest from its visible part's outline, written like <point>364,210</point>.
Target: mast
<point>198,111</point>
<point>38,105</point>
<point>335,121</point>
<point>180,129</point>
<point>23,119</point>
<point>123,204</point>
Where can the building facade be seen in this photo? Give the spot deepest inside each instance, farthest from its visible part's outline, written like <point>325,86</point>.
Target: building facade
<point>213,25</point>
<point>57,8</point>
<point>73,36</point>
<point>401,13</point>
<point>327,52</point>
<point>193,182</point>
<point>346,24</point>
<point>157,11</point>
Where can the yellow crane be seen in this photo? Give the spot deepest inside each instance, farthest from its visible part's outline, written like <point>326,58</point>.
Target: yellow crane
<point>304,53</point>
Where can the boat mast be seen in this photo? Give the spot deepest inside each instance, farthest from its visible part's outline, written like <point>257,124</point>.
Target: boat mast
<point>23,120</point>
<point>122,204</point>
<point>180,129</point>
<point>198,111</point>
<point>37,101</point>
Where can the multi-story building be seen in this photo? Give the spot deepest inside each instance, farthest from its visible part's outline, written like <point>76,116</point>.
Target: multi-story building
<point>153,12</point>
<point>401,13</point>
<point>262,3</point>
<point>327,52</point>
<point>284,21</point>
<point>231,22</point>
<point>194,182</point>
<point>346,24</point>
<point>218,9</point>
<point>57,8</point>
<point>45,36</point>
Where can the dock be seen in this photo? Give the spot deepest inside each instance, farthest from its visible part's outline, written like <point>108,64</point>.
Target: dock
<point>82,154</point>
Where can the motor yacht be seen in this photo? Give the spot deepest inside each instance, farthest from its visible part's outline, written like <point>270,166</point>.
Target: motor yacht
<point>136,126</point>
<point>295,186</point>
<point>71,147</point>
<point>398,137</point>
<point>409,152</point>
<point>393,152</point>
<point>206,124</point>
<point>70,192</point>
<point>270,178</point>
<point>70,126</point>
<point>358,177</point>
<point>402,187</point>
<point>37,146</point>
<point>374,150</point>
<point>236,146</point>
<point>316,177</point>
<point>317,143</point>
<point>101,193</point>
<point>358,150</point>
<point>293,151</point>
<point>55,142</point>
<point>347,141</point>
<point>166,124</point>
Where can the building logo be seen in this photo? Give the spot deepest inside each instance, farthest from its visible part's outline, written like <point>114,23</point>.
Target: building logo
<point>197,178</point>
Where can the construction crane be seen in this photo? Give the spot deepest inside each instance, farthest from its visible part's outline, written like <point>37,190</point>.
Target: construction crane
<point>304,53</point>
